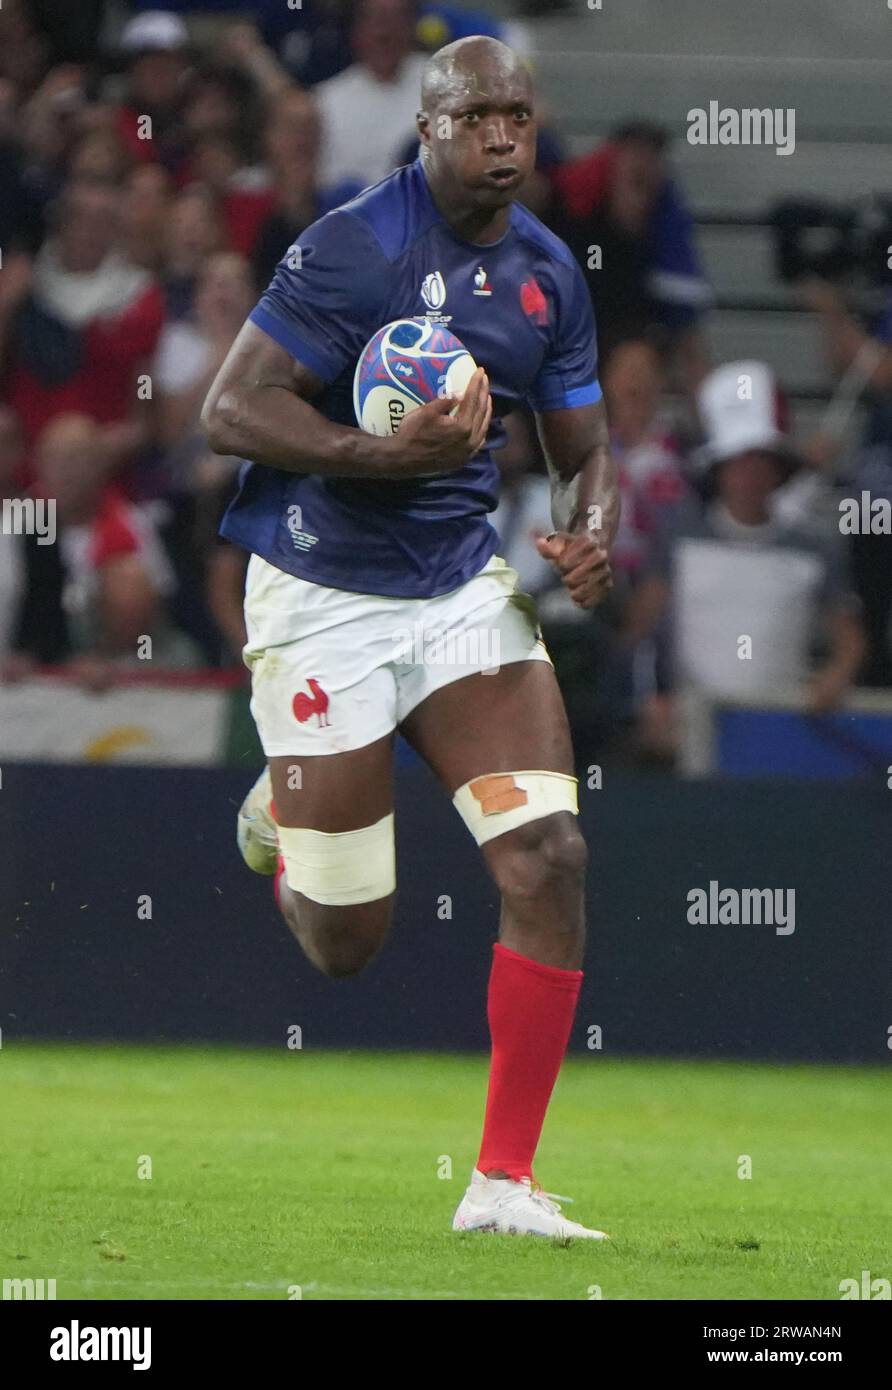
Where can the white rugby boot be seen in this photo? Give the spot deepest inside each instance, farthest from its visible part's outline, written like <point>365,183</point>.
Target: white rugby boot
<point>256,832</point>
<point>502,1206</point>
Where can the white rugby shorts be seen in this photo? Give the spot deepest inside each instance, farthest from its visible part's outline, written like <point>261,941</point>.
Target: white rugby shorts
<point>332,670</point>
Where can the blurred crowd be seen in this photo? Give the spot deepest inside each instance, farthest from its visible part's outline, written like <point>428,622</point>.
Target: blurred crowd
<point>152,174</point>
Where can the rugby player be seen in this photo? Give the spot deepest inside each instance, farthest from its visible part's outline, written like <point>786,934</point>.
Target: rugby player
<point>354,538</point>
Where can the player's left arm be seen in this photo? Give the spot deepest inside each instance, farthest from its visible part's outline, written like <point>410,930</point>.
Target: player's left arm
<point>585,499</point>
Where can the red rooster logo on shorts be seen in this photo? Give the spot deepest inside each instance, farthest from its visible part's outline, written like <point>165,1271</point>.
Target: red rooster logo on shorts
<point>306,705</point>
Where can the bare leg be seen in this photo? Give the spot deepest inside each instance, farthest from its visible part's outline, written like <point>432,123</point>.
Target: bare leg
<point>518,723</point>
<point>344,791</point>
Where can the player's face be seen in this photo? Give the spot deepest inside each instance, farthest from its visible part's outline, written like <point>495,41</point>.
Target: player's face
<point>482,137</point>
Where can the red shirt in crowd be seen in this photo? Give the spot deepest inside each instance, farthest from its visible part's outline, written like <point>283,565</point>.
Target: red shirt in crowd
<point>105,385</point>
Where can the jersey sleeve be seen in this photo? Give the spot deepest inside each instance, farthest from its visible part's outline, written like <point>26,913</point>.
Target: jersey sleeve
<point>569,375</point>
<point>325,299</point>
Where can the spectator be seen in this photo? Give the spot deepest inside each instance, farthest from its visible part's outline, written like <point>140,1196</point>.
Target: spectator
<point>25,53</point>
<point>221,100</point>
<point>646,453</point>
<point>221,117</point>
<point>50,124</point>
<point>195,232</point>
<point>623,216</point>
<point>747,593</point>
<point>191,351</point>
<point>369,110</point>
<point>145,213</point>
<point>15,287</point>
<point>20,213</point>
<point>867,353</point>
<point>244,193</point>
<point>115,571</point>
<point>86,329</point>
<point>201,484</point>
<point>100,156</point>
<point>651,488</point>
<point>33,628</point>
<point>291,144</point>
<point>155,47</point>
<point>313,41</point>
<point>242,48</point>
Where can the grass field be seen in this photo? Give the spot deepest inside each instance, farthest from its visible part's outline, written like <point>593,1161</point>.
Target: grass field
<point>279,1169</point>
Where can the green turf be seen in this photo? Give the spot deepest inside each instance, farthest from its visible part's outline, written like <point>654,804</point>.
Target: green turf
<point>281,1169</point>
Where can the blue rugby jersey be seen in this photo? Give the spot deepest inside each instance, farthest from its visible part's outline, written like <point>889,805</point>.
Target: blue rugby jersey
<point>522,309</point>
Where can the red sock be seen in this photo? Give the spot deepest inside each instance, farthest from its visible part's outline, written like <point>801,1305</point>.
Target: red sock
<point>530,1010</point>
<point>277,882</point>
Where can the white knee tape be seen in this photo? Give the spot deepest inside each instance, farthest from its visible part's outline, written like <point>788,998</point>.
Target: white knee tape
<point>502,801</point>
<point>353,866</point>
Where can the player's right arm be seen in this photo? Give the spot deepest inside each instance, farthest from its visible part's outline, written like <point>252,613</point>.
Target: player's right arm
<point>259,408</point>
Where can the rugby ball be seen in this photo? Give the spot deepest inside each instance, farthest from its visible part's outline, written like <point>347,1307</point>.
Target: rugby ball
<point>406,364</point>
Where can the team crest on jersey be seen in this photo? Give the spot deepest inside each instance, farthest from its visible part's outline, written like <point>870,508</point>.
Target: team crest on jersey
<point>481,283</point>
<point>533,301</point>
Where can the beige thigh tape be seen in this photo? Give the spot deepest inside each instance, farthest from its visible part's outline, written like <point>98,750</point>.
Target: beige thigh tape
<point>502,801</point>
<point>353,866</point>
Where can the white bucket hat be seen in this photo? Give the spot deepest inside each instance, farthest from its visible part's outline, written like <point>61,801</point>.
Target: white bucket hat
<point>153,32</point>
<point>738,405</point>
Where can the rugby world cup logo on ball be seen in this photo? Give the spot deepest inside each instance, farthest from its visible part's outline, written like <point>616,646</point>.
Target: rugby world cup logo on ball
<point>406,364</point>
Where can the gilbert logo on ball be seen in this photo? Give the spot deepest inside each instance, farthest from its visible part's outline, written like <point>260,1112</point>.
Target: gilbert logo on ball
<point>406,364</point>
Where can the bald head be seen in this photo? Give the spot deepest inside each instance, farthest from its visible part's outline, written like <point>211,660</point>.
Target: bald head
<point>471,66</point>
